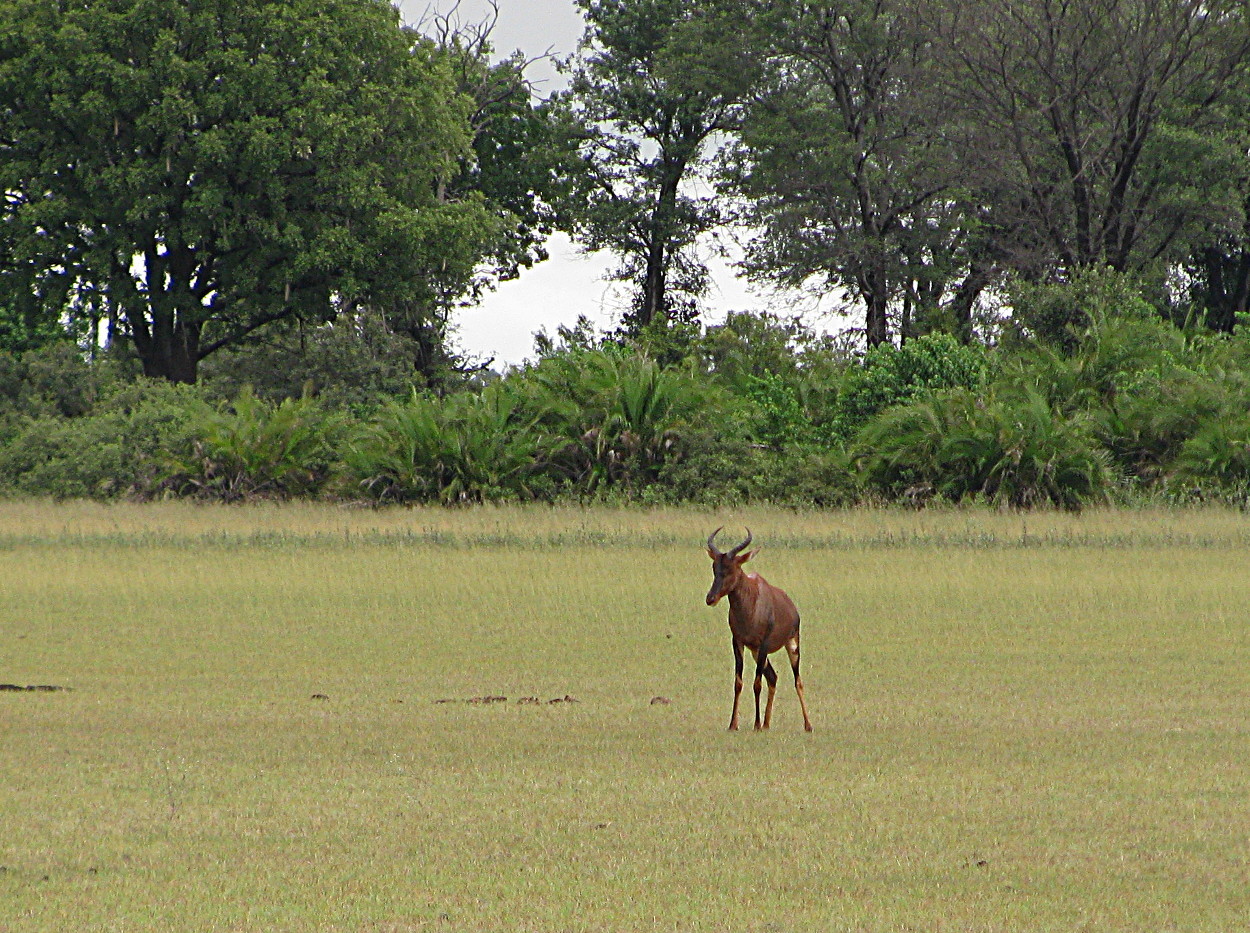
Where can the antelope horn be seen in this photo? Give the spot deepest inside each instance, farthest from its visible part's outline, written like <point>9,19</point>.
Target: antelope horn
<point>733,552</point>
<point>710,546</point>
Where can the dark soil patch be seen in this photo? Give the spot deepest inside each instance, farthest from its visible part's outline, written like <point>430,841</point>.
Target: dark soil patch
<point>32,688</point>
<point>491,699</point>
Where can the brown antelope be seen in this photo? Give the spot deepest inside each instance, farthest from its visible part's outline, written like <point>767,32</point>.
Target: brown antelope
<point>762,618</point>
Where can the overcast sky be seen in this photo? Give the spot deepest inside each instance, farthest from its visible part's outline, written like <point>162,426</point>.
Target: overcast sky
<point>568,284</point>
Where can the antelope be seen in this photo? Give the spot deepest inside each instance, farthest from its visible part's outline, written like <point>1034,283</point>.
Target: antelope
<point>762,619</point>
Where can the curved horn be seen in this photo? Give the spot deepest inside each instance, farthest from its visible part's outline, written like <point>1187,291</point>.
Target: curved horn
<point>733,552</point>
<point>710,546</point>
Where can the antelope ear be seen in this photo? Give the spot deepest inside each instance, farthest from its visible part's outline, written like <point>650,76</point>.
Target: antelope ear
<point>711,554</point>
<point>748,555</point>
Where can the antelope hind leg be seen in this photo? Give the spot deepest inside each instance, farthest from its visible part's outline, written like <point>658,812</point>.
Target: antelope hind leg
<point>792,649</point>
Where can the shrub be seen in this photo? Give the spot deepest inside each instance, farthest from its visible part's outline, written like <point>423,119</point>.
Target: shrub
<point>120,450</point>
<point>464,448</point>
<point>619,416</point>
<point>1217,458</point>
<point>1057,314</point>
<point>897,375</point>
<point>1013,450</point>
<point>350,363</point>
<point>1147,426</point>
<point>253,449</point>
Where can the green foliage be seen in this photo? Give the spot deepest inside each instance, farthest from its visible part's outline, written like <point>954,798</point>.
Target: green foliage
<point>350,362</point>
<point>1217,458</point>
<point>894,375</point>
<point>1011,450</point>
<point>750,346</point>
<point>120,450</point>
<point>23,324</point>
<point>619,415</point>
<point>264,159</point>
<point>1057,314</point>
<point>782,420</point>
<point>253,449</point>
<point>52,380</point>
<point>463,448</point>
<point>1135,407</point>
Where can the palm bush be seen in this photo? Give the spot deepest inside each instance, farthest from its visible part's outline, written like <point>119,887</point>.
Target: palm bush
<point>619,416</point>
<point>1217,457</point>
<point>1012,450</point>
<point>255,449</point>
<point>463,448</point>
<point>1146,427</point>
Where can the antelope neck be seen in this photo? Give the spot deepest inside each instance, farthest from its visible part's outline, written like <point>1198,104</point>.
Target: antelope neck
<point>742,597</point>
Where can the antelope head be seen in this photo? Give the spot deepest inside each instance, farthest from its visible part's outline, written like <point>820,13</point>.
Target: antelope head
<point>726,566</point>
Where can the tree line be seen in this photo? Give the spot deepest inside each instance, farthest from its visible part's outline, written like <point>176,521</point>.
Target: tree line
<point>1041,211</point>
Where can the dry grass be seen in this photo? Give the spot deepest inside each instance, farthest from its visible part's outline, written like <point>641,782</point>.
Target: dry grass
<point>1021,724</point>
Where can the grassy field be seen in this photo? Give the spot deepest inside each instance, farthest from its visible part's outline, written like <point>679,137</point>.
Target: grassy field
<point>1031,724</point>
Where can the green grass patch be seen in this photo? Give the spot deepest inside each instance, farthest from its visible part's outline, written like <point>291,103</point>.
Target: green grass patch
<point>1021,724</point>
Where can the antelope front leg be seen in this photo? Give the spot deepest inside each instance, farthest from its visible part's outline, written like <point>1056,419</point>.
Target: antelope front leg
<point>733,719</point>
<point>771,676</point>
<point>761,663</point>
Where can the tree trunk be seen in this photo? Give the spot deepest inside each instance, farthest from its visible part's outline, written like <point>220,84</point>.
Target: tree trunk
<point>876,296</point>
<point>168,348</point>
<point>1227,287</point>
<point>977,280</point>
<point>653,285</point>
<point>654,303</point>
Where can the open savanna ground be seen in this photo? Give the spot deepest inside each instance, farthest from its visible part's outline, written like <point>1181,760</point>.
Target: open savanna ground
<point>1022,723</point>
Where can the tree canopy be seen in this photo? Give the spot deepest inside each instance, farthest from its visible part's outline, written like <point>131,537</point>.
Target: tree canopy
<point>655,82</point>
<point>200,173</point>
<point>195,171</point>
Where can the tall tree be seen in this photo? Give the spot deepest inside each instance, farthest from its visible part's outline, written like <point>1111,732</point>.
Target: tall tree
<point>1218,264</point>
<point>655,81</point>
<point>1091,129</point>
<point>844,165</point>
<point>204,169</point>
<point>522,152</point>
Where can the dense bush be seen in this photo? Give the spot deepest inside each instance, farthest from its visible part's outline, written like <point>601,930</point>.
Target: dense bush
<point>895,375</point>
<point>465,448</point>
<point>1057,314</point>
<point>123,448</point>
<point>252,448</point>
<point>615,417</point>
<point>1131,406</point>
<point>1216,460</point>
<point>1010,450</point>
<point>351,362</point>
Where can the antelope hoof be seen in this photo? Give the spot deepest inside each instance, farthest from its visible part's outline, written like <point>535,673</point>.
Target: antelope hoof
<point>807,727</point>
